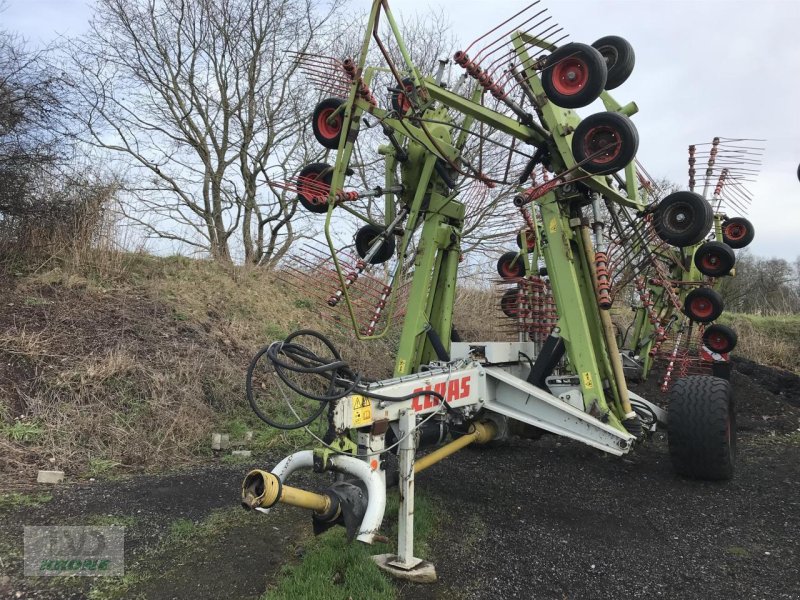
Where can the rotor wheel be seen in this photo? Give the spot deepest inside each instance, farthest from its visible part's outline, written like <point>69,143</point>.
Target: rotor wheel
<point>737,232</point>
<point>683,218</point>
<point>702,428</point>
<point>511,266</point>
<point>530,240</point>
<point>328,129</point>
<point>574,75</point>
<point>703,305</point>
<point>364,239</point>
<point>313,184</point>
<point>509,303</point>
<point>715,259</point>
<point>400,100</point>
<point>605,142</point>
<point>620,59</point>
<point>720,338</point>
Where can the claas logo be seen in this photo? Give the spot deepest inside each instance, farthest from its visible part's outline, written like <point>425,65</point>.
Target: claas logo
<point>454,389</point>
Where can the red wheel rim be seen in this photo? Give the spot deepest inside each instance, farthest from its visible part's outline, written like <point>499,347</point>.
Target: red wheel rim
<point>701,307</point>
<point>508,304</point>
<point>710,262</point>
<point>312,188</point>
<point>511,270</point>
<point>602,143</point>
<point>735,231</point>
<point>326,129</point>
<point>718,342</point>
<point>569,76</point>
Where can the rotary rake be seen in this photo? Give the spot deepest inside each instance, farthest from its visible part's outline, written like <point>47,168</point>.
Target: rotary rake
<point>497,152</point>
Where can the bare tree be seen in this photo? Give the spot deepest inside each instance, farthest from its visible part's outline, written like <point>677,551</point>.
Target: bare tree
<point>195,99</point>
<point>761,285</point>
<point>30,98</point>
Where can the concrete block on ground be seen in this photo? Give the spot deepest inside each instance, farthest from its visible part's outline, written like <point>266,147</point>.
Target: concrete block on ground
<point>220,441</point>
<point>50,477</point>
<point>245,453</point>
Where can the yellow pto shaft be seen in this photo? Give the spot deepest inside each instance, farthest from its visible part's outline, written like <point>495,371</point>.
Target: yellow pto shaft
<point>261,489</point>
<point>481,433</point>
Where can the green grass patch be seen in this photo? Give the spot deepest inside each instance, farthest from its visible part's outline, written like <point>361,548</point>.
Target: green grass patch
<point>21,431</point>
<point>14,500</point>
<point>334,569</point>
<point>111,520</point>
<point>182,529</point>
<point>101,466</point>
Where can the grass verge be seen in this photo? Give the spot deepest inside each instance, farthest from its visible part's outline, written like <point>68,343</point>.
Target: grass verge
<point>767,340</point>
<point>333,569</point>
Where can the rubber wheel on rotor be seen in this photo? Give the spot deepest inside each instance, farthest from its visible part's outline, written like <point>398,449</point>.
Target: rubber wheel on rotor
<point>715,259</point>
<point>574,75</point>
<point>400,102</point>
<point>530,240</point>
<point>605,142</point>
<point>702,428</point>
<point>720,338</point>
<point>511,266</point>
<point>364,239</point>
<point>703,305</point>
<point>683,218</point>
<point>314,181</point>
<point>328,134</point>
<point>737,232</point>
<point>619,57</point>
<point>509,303</point>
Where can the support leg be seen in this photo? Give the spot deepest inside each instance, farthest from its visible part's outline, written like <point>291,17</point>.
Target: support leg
<point>405,565</point>
<point>405,520</point>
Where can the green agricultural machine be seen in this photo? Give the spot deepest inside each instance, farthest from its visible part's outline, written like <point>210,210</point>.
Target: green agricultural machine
<point>591,229</point>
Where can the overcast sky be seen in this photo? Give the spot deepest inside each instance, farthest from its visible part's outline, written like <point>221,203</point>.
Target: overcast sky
<point>704,68</point>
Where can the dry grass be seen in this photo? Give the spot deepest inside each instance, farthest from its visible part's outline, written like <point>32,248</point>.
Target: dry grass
<point>135,368</point>
<point>767,340</point>
<point>477,315</point>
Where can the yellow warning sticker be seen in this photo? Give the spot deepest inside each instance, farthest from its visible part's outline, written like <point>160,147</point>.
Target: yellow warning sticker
<point>587,380</point>
<point>553,225</point>
<point>401,367</point>
<point>362,411</point>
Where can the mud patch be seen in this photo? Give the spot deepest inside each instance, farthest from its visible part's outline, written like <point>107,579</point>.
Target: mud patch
<point>237,556</point>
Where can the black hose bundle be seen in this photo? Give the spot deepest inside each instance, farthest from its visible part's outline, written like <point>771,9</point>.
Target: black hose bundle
<point>290,356</point>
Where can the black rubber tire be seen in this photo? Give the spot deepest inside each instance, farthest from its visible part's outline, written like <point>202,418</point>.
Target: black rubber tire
<point>509,303</point>
<point>582,61</point>
<point>737,232</point>
<point>620,59</point>
<point>322,172</point>
<point>400,102</point>
<point>511,265</point>
<point>683,219</point>
<point>715,259</point>
<point>702,428</point>
<point>529,238</point>
<point>327,135</point>
<point>364,237</point>
<point>599,131</point>
<point>720,338</point>
<point>703,305</point>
